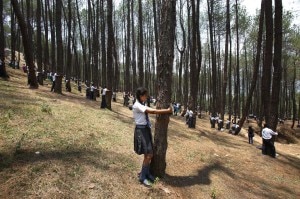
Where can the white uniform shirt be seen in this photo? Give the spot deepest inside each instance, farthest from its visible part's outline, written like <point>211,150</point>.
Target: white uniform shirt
<point>104,91</point>
<point>267,133</point>
<point>54,77</point>
<point>139,113</point>
<point>92,88</point>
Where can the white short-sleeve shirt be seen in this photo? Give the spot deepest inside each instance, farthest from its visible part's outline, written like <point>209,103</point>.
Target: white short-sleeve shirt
<point>139,113</point>
<point>104,91</point>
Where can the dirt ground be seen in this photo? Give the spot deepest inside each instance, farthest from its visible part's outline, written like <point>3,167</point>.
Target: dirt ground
<point>99,162</point>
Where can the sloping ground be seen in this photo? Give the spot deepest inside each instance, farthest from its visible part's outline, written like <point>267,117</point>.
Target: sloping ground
<point>65,146</point>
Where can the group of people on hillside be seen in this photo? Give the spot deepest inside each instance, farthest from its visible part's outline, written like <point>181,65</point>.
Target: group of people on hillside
<point>268,147</point>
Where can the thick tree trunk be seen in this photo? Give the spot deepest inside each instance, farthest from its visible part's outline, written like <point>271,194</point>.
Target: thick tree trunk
<point>164,79</point>
<point>277,67</point>
<point>32,80</point>
<point>266,76</point>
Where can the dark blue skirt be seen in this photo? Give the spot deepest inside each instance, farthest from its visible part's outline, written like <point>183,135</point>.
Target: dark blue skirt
<point>143,140</point>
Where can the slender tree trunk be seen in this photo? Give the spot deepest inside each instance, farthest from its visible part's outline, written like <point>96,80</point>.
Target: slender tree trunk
<point>46,43</point>
<point>237,83</point>
<point>225,60</point>
<point>164,78</point>
<point>256,65</point>
<point>39,37</point>
<point>59,45</point>
<point>155,28</point>
<point>134,74</point>
<point>103,45</point>
<point>52,32</point>
<point>293,96</point>
<point>181,51</point>
<point>128,52</point>
<point>110,37</point>
<point>141,46</point>
<point>213,58</point>
<point>3,72</point>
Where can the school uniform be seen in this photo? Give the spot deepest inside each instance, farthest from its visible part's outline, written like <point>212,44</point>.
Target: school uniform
<point>103,103</point>
<point>143,143</point>
<point>268,147</point>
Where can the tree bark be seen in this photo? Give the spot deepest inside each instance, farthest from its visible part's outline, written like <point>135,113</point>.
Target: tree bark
<point>59,48</point>
<point>141,46</point>
<point>266,77</point>
<point>32,80</point>
<point>256,65</point>
<point>110,37</point>
<point>164,79</point>
<point>3,72</point>
<point>277,67</point>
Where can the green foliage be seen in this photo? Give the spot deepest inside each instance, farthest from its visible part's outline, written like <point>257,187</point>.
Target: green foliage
<point>46,109</point>
<point>213,194</point>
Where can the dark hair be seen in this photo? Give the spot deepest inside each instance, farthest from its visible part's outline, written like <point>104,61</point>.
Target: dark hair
<point>266,125</point>
<point>140,92</point>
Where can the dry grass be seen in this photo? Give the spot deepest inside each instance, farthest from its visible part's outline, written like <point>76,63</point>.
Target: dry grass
<point>65,146</point>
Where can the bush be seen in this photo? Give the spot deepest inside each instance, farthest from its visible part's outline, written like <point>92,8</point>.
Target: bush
<point>46,108</point>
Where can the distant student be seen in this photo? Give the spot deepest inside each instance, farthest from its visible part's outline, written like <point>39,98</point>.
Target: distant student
<point>53,82</point>
<point>103,103</point>
<point>143,143</point>
<point>114,96</point>
<point>92,88</point>
<point>250,135</point>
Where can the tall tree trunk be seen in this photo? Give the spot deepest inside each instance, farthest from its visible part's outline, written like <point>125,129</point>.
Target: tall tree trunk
<point>266,76</point>
<point>26,43</point>
<point>59,45</point>
<point>3,72</point>
<point>39,37</point>
<point>110,37</point>
<point>52,32</point>
<point>193,67</point>
<point>181,51</point>
<point>141,46</point>
<point>69,51</point>
<point>237,83</point>
<point>46,43</point>
<point>155,28</point>
<point>134,80</point>
<point>225,60</point>
<point>292,93</point>
<point>128,52</point>
<point>103,45</point>
<point>256,65</point>
<point>210,8</point>
<point>277,67</point>
<point>164,78</point>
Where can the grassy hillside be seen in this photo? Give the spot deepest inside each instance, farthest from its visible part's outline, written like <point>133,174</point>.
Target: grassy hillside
<point>65,146</point>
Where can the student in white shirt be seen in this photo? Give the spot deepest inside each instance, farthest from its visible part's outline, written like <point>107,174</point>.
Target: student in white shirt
<point>268,147</point>
<point>143,143</point>
<point>103,103</point>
